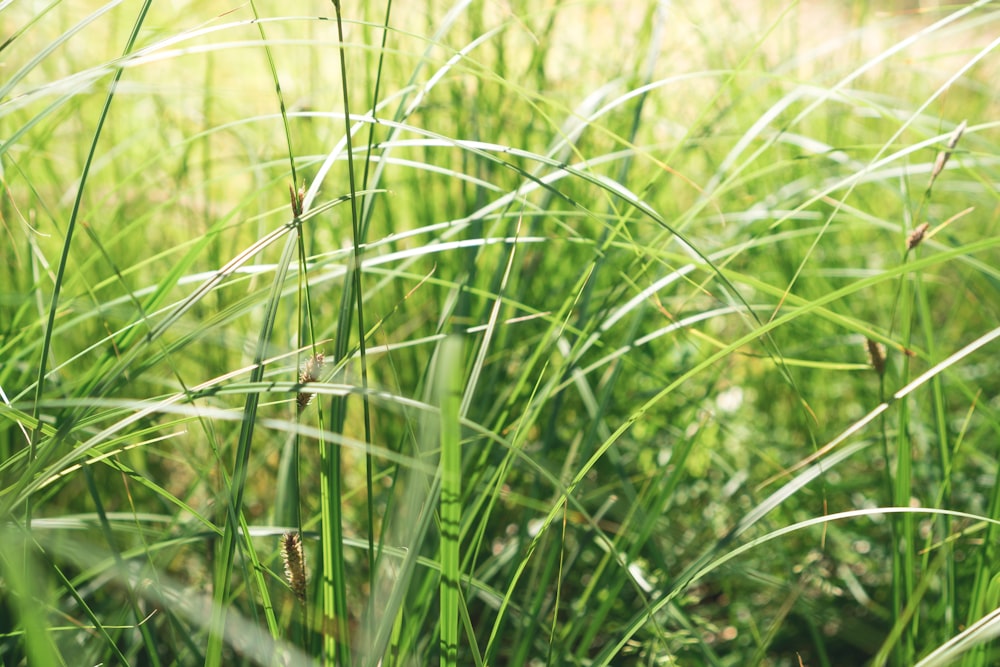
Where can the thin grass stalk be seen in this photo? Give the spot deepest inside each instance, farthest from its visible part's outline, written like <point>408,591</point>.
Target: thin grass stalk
<point>234,510</point>
<point>336,640</point>
<point>878,361</point>
<point>367,207</point>
<point>469,628</point>
<point>904,533</point>
<point>287,499</point>
<point>287,502</point>
<point>36,433</point>
<point>945,623</point>
<point>234,514</point>
<point>133,600</point>
<point>369,202</point>
<point>277,89</point>
<point>404,109</point>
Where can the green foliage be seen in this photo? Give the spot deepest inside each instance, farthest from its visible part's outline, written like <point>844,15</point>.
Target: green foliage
<point>593,286</point>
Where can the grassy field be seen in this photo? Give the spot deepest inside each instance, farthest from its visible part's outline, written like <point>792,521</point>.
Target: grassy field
<point>484,333</point>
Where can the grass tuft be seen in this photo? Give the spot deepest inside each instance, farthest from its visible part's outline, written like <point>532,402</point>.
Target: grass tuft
<point>584,300</point>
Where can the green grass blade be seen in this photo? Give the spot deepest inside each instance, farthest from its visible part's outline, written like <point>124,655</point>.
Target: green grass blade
<point>450,379</point>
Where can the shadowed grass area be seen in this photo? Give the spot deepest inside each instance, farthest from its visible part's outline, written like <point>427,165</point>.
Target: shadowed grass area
<point>567,334</point>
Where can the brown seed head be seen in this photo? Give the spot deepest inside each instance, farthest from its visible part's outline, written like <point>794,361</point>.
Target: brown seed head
<point>942,157</point>
<point>916,236</point>
<point>297,198</point>
<point>309,373</point>
<point>293,556</point>
<point>876,355</point>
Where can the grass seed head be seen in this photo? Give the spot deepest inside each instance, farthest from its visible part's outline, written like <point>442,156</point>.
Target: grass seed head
<point>916,236</point>
<point>309,373</point>
<point>293,556</point>
<point>942,157</point>
<point>297,198</point>
<point>876,355</point>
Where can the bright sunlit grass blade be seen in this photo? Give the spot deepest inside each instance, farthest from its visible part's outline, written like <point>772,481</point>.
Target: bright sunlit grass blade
<point>235,519</point>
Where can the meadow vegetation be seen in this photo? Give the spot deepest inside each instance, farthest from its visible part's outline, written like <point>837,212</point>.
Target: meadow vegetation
<point>499,333</point>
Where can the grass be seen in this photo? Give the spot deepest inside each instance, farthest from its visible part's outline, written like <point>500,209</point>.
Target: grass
<point>594,286</point>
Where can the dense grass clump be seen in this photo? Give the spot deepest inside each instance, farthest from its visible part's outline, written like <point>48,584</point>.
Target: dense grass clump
<point>499,334</point>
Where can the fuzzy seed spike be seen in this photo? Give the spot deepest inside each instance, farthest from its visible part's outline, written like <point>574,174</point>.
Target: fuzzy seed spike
<point>293,556</point>
<point>309,373</point>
